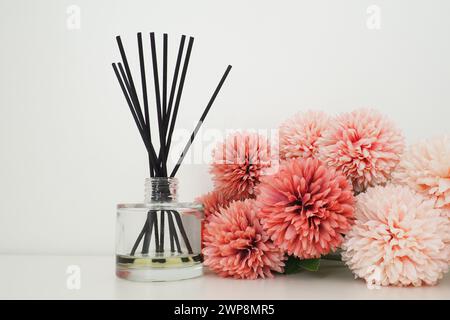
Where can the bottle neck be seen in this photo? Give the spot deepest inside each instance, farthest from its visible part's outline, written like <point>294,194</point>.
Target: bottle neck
<point>160,189</point>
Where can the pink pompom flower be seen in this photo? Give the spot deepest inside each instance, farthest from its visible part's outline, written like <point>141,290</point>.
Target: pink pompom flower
<point>398,239</point>
<point>237,246</point>
<point>299,134</point>
<point>213,201</point>
<point>425,167</point>
<point>364,145</point>
<point>238,164</point>
<point>306,207</point>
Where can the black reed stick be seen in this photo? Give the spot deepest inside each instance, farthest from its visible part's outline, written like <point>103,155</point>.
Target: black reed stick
<point>144,94</point>
<point>158,104</point>
<point>132,90</point>
<point>171,231</point>
<point>155,225</point>
<point>183,232</point>
<point>139,238</point>
<point>143,79</point>
<point>144,133</point>
<point>161,234</point>
<point>175,236</point>
<point>174,83</point>
<point>148,234</point>
<point>179,93</point>
<point>133,113</point>
<point>164,99</point>
<point>200,122</point>
<point>125,93</point>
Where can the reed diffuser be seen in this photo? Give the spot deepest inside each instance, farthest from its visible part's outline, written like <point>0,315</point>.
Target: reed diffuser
<point>159,239</point>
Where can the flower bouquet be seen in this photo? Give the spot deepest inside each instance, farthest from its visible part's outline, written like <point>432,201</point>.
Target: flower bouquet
<point>342,185</point>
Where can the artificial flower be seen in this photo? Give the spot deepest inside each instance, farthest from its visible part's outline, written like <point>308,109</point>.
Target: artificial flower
<point>364,145</point>
<point>306,207</point>
<point>425,167</point>
<point>299,134</point>
<point>238,164</point>
<point>235,244</point>
<point>213,201</point>
<point>398,239</point>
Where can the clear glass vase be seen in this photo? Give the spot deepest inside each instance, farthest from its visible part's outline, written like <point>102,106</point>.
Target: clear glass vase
<point>160,239</point>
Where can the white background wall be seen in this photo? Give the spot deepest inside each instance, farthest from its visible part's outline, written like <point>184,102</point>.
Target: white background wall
<point>69,150</point>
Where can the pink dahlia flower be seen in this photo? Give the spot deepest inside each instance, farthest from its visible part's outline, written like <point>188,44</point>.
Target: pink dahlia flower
<point>299,135</point>
<point>306,207</point>
<point>398,239</point>
<point>238,164</point>
<point>364,145</point>
<point>425,167</point>
<point>213,201</point>
<point>237,246</point>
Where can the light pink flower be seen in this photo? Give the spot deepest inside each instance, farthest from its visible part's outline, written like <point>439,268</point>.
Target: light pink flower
<point>364,145</point>
<point>425,167</point>
<point>398,239</point>
<point>238,164</point>
<point>306,207</point>
<point>299,134</point>
<point>237,246</point>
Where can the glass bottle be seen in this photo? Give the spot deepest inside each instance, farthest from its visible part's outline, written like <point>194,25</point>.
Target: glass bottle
<point>160,239</point>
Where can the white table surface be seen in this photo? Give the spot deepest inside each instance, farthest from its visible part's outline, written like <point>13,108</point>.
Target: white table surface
<point>45,277</point>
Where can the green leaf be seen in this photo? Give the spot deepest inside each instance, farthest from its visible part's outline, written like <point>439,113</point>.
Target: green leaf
<point>295,265</point>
